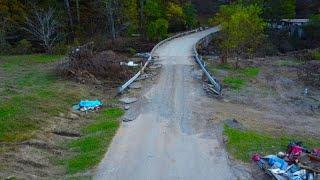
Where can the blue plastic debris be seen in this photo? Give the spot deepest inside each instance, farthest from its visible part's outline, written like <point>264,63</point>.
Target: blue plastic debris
<point>88,105</point>
<point>277,162</point>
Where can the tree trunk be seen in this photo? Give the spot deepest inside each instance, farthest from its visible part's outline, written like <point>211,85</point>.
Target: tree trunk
<point>223,58</point>
<point>67,3</point>
<point>109,6</point>
<point>78,11</point>
<point>141,17</point>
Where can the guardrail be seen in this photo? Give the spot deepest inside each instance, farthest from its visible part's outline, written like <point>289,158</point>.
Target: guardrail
<point>216,87</point>
<point>127,84</point>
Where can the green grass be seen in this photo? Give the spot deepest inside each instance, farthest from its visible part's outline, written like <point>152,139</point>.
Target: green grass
<point>91,148</point>
<point>250,72</point>
<point>242,144</point>
<point>20,115</point>
<point>10,63</point>
<point>237,78</point>
<point>234,82</point>
<point>29,96</point>
<point>15,122</point>
<point>226,66</point>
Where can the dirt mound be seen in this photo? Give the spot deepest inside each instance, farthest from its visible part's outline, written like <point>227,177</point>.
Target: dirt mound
<point>85,65</point>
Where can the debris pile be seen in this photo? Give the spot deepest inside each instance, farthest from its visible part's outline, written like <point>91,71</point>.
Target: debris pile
<point>210,89</point>
<point>143,55</point>
<point>298,163</point>
<point>88,106</point>
<point>85,65</point>
<point>302,55</point>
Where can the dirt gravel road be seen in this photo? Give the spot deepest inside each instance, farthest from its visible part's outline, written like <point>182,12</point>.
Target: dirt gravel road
<point>171,137</point>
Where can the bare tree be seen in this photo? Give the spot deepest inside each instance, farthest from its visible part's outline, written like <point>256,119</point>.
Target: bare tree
<point>43,28</point>
<point>67,3</point>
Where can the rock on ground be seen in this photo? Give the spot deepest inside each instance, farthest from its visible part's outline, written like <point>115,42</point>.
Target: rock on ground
<point>135,85</point>
<point>128,100</point>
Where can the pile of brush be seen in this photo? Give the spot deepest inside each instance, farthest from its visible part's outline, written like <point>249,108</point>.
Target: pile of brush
<point>85,65</point>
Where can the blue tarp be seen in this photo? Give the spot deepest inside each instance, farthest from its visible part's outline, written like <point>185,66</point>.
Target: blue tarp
<point>275,161</point>
<point>90,104</point>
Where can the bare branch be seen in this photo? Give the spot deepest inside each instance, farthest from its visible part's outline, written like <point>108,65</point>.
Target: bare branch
<point>43,27</point>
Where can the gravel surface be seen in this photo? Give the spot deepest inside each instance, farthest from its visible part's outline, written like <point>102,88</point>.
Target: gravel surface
<point>171,136</point>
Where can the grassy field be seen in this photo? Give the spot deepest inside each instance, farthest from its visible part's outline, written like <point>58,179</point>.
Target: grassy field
<point>91,147</point>
<point>236,78</point>
<point>27,93</point>
<point>12,63</point>
<point>31,94</point>
<point>242,144</point>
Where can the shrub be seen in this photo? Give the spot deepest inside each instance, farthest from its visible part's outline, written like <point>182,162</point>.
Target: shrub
<point>4,48</point>
<point>191,15</point>
<point>23,47</point>
<point>267,48</point>
<point>176,17</point>
<point>152,31</point>
<point>250,72</point>
<point>60,49</point>
<point>158,29</point>
<point>234,83</point>
<point>4,45</point>
<point>162,28</point>
<point>132,51</point>
<point>312,30</point>
<point>242,29</point>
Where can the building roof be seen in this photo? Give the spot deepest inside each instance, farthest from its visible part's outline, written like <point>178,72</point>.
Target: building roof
<point>295,20</point>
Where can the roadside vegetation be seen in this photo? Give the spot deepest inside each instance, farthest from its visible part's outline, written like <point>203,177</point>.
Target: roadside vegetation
<point>243,143</point>
<point>235,78</point>
<point>239,77</point>
<point>40,134</point>
<point>269,70</point>
<point>35,103</point>
<point>97,135</point>
<point>28,93</point>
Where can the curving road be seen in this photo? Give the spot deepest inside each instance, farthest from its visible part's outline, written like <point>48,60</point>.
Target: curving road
<point>171,138</point>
